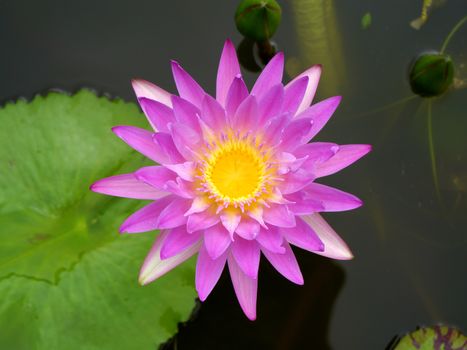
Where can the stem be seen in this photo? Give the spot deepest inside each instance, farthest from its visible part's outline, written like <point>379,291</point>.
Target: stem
<point>434,169</point>
<point>453,31</point>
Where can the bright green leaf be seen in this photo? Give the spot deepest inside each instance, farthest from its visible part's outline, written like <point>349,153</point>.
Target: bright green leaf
<point>428,338</point>
<point>366,20</point>
<point>68,280</point>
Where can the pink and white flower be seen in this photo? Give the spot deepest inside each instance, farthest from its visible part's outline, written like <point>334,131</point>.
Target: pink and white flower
<point>235,176</point>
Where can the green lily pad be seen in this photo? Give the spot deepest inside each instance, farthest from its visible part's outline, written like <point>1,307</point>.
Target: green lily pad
<point>68,280</point>
<point>433,338</point>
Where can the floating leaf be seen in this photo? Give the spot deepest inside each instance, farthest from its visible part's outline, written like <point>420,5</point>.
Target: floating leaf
<point>68,280</point>
<point>258,19</point>
<point>433,338</point>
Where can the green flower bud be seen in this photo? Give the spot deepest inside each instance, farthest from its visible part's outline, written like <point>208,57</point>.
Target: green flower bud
<point>258,19</point>
<point>431,74</point>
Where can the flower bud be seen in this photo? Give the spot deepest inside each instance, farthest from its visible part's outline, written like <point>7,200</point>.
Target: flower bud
<point>258,19</point>
<point>431,74</point>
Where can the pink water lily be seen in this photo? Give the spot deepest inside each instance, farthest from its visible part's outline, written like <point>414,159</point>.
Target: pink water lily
<point>236,176</point>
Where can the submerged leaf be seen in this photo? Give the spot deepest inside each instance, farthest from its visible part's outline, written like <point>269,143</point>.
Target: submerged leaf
<point>67,279</point>
<point>366,20</point>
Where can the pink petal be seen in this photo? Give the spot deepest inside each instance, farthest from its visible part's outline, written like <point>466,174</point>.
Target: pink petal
<point>156,176</point>
<point>213,114</point>
<point>154,267</point>
<point>158,114</point>
<point>216,241</point>
<point>145,89</point>
<point>230,219</point>
<point>177,241</point>
<point>198,205</point>
<point>172,216</point>
<point>245,288</point>
<point>246,116</point>
<point>185,139</point>
<point>138,139</point>
<point>332,199</point>
<point>201,221</point>
<point>279,215</point>
<point>270,105</point>
<point>246,254</point>
<point>320,113</point>
<point>334,246</point>
<point>275,128</point>
<point>166,150</point>
<point>295,181</point>
<point>316,153</point>
<point>270,76</point>
<point>286,264</point>
<point>208,272</point>
<point>296,134</point>
<point>271,240</point>
<point>256,212</point>
<point>227,71</point>
<point>126,185</point>
<point>145,219</point>
<point>185,170</point>
<point>346,155</point>
<point>248,228</point>
<point>237,93</point>
<point>313,75</point>
<point>294,93</point>
<point>181,188</point>
<point>303,205</point>
<point>187,87</point>
<point>303,236</point>
<point>186,113</point>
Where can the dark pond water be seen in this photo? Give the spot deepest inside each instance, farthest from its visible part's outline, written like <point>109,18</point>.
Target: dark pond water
<point>409,241</point>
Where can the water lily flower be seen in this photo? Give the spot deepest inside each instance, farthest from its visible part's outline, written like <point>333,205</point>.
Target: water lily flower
<point>235,177</point>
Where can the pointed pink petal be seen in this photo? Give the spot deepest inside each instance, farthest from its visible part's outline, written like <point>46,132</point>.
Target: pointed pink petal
<point>346,155</point>
<point>279,215</point>
<point>216,241</point>
<point>186,113</point>
<point>146,89</point>
<point>185,139</point>
<point>230,219</point>
<point>313,75</point>
<point>286,264</point>
<point>296,134</point>
<point>181,188</point>
<point>334,246</point>
<point>295,181</point>
<point>316,153</point>
<point>172,216</point>
<point>247,228</point>
<point>331,198</point>
<point>270,76</point>
<point>145,219</point>
<point>271,240</point>
<point>275,128</point>
<point>198,205</point>
<point>246,254</point>
<point>201,221</point>
<point>187,87</point>
<point>154,267</point>
<point>156,176</point>
<point>177,241</point>
<point>213,114</point>
<point>320,113</point>
<point>185,170</point>
<point>165,148</point>
<point>246,116</point>
<point>245,288</point>
<point>303,205</point>
<point>303,236</point>
<point>138,139</point>
<point>294,93</point>
<point>158,114</point>
<point>270,105</point>
<point>257,214</point>
<point>237,93</point>
<point>227,71</point>
<point>126,185</point>
<point>208,272</point>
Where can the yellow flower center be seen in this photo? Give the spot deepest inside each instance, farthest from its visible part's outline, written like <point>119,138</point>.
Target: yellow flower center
<point>235,172</point>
